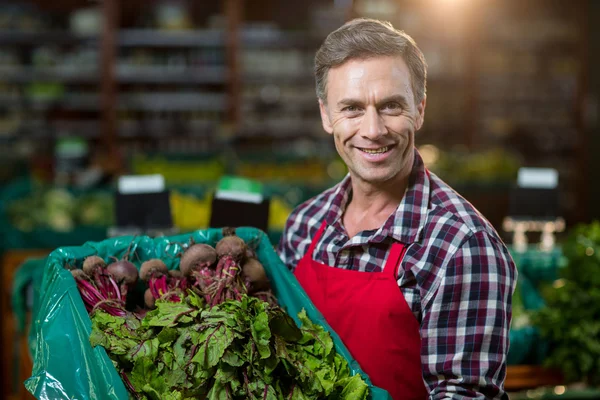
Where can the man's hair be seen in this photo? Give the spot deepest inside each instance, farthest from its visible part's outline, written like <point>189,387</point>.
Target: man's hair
<point>364,38</point>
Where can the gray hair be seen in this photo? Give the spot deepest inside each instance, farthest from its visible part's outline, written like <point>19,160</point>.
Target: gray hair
<point>363,38</point>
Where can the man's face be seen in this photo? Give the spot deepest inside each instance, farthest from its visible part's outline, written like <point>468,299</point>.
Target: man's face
<point>372,115</point>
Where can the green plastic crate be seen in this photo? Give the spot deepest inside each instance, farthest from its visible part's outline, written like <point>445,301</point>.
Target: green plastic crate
<point>66,366</point>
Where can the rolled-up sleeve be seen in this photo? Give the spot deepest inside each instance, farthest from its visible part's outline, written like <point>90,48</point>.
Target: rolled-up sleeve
<point>465,322</point>
<point>289,242</point>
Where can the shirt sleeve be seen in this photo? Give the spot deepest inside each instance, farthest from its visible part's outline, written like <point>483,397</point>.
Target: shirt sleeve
<point>465,325</point>
<point>288,248</point>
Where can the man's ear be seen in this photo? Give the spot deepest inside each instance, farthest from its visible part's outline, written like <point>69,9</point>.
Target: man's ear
<point>421,111</point>
<point>325,117</point>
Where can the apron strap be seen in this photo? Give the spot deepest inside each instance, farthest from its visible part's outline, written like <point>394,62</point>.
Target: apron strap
<point>394,259</point>
<point>392,264</point>
<point>316,238</point>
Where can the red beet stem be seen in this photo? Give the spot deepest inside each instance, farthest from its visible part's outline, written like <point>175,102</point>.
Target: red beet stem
<point>116,291</point>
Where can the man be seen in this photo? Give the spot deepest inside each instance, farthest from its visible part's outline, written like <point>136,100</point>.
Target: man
<point>414,280</point>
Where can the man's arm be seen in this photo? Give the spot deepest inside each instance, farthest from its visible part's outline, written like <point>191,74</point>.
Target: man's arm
<point>466,321</point>
<point>287,249</point>
<point>297,234</point>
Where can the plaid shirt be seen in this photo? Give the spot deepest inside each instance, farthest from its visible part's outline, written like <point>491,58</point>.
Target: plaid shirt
<point>457,277</point>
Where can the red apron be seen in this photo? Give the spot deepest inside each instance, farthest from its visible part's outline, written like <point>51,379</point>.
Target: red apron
<point>371,316</point>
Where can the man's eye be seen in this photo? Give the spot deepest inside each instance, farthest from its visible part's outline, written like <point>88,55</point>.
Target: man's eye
<point>350,109</point>
<point>392,106</point>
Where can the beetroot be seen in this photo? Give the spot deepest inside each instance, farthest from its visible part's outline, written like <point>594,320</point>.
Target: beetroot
<point>79,274</point>
<point>91,263</point>
<point>255,275</point>
<point>227,271</point>
<point>196,257</point>
<point>124,272</point>
<point>149,299</point>
<point>250,253</point>
<point>99,290</point>
<point>175,273</point>
<point>229,280</point>
<point>162,284</point>
<point>152,268</point>
<point>232,246</point>
<point>228,283</point>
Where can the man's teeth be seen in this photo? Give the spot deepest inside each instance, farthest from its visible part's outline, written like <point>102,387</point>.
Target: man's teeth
<point>376,151</point>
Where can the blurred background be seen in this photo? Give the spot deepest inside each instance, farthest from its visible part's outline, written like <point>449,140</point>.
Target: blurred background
<point>198,90</point>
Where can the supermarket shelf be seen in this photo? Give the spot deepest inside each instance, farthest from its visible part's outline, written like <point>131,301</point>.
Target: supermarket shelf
<point>25,74</point>
<point>567,44</point>
<point>72,101</point>
<point>10,99</point>
<point>255,78</point>
<point>173,101</point>
<point>128,101</point>
<point>11,137</point>
<point>126,38</point>
<point>282,131</point>
<point>6,138</point>
<point>165,75</point>
<point>157,38</point>
<point>90,129</point>
<point>162,129</point>
<point>48,37</point>
<point>152,74</point>
<point>280,39</point>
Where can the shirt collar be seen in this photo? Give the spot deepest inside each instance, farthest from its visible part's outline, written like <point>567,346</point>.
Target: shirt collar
<point>407,222</point>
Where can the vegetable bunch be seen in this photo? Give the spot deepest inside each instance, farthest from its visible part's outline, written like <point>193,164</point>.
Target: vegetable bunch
<point>211,329</point>
<point>239,349</point>
<point>103,286</point>
<point>571,319</point>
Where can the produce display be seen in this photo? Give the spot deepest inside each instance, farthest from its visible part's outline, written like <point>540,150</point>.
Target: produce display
<point>192,212</point>
<point>314,171</point>
<point>179,172</point>
<point>461,166</point>
<point>279,211</point>
<point>60,210</point>
<point>571,320</point>
<point>209,329</point>
<point>189,211</point>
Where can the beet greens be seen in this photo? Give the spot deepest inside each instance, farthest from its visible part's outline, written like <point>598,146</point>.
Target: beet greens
<point>239,349</point>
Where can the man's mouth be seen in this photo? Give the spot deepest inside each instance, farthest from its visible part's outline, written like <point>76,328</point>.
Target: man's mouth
<point>378,150</point>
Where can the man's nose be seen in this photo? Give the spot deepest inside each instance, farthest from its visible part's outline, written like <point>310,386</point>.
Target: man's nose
<point>373,126</point>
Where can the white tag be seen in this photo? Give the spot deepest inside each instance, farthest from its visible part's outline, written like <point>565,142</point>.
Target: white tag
<point>245,197</point>
<point>539,178</point>
<point>134,184</point>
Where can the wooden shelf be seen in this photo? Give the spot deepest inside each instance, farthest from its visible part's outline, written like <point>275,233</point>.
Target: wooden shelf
<point>253,78</point>
<point>25,74</point>
<point>173,101</point>
<point>523,377</point>
<point>151,101</point>
<point>49,37</point>
<point>157,38</point>
<point>280,39</point>
<point>163,75</point>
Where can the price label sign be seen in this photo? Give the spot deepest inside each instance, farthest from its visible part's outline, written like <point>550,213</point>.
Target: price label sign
<point>142,202</point>
<point>536,195</point>
<point>239,202</point>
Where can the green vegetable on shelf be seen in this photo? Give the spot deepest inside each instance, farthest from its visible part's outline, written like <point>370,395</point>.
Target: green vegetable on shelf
<point>571,320</point>
<point>60,210</point>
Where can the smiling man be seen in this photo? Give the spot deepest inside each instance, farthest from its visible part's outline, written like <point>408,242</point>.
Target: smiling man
<point>411,276</point>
